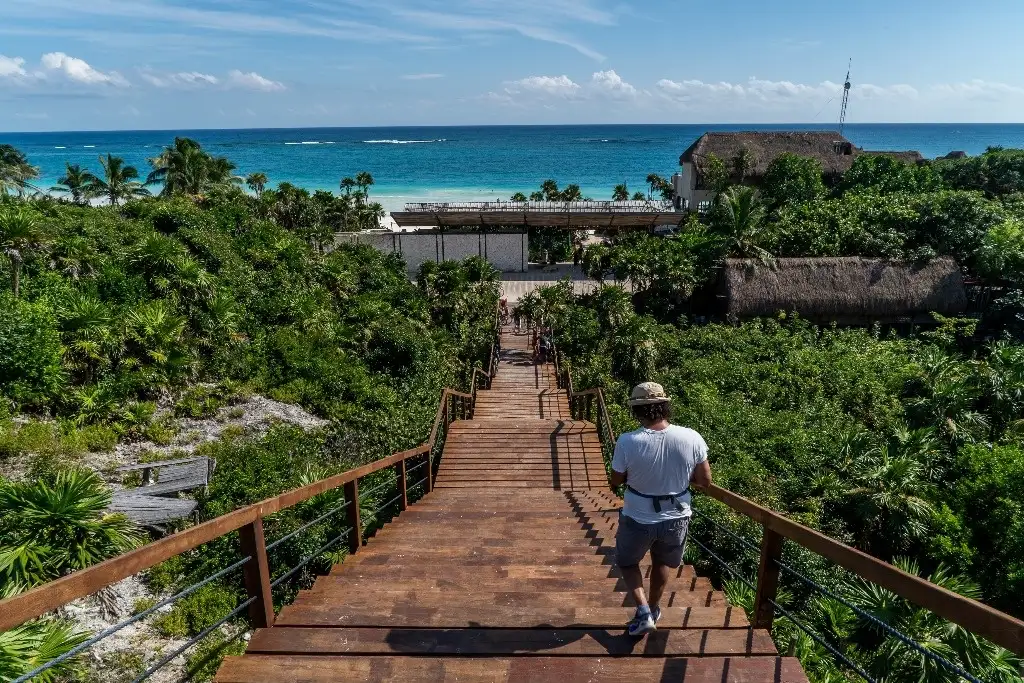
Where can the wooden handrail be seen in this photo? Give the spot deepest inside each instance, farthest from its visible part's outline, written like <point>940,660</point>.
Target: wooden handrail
<point>976,617</point>
<point>49,596</point>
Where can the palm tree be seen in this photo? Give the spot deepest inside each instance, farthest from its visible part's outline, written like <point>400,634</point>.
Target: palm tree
<point>49,529</point>
<point>363,181</point>
<point>347,184</point>
<point>741,221</point>
<point>892,659</point>
<point>571,193</point>
<point>118,182</point>
<point>620,193</point>
<point>25,648</point>
<point>15,171</point>
<point>257,182</point>
<point>887,492</point>
<point>639,196</point>
<point>76,181</point>
<point>185,168</point>
<point>549,190</point>
<point>19,232</point>
<point>518,197</point>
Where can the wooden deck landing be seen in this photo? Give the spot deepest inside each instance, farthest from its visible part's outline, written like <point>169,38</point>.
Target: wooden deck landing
<point>506,573</point>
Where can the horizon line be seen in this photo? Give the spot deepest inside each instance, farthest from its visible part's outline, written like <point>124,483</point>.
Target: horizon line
<point>809,126</point>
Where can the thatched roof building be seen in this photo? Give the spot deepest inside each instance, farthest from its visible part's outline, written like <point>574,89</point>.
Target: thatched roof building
<point>845,290</point>
<point>832,150</point>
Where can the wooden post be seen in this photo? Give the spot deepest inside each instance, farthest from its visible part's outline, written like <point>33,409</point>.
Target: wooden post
<point>355,538</point>
<point>767,580</point>
<point>400,471</point>
<point>256,573</point>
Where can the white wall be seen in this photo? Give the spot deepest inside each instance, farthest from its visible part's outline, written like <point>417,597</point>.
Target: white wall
<point>508,252</point>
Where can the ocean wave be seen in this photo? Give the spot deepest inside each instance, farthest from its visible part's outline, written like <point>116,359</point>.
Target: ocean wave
<point>60,147</point>
<point>403,142</point>
<point>311,142</point>
<point>88,146</point>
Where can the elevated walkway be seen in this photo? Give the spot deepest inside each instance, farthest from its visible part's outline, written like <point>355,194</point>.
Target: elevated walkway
<point>506,572</point>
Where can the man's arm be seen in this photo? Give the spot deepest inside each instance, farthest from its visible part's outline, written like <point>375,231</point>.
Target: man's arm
<point>617,479</point>
<point>701,477</point>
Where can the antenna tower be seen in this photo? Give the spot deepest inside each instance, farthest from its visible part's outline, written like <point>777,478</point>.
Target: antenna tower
<point>846,98</point>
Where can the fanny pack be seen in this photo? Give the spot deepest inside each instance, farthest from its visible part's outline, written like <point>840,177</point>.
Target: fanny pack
<point>656,500</point>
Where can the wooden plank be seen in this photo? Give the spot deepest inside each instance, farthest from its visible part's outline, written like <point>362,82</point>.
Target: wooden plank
<point>452,616</point>
<point>407,669</point>
<point>147,510</point>
<point>476,641</point>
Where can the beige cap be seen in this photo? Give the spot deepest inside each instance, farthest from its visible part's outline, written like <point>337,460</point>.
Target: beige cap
<point>647,393</point>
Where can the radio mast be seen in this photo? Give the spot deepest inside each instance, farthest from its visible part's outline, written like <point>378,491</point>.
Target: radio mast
<point>846,97</point>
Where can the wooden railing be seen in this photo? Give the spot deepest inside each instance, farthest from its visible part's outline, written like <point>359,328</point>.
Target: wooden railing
<point>976,617</point>
<point>248,521</point>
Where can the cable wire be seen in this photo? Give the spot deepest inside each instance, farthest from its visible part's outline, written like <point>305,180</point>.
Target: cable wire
<point>127,622</point>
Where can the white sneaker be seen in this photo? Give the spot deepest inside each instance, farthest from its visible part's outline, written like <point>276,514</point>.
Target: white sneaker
<point>641,625</point>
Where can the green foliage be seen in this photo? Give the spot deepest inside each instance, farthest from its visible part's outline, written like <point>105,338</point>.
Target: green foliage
<point>739,220</point>
<point>997,172</point>
<point>25,647</point>
<point>30,352</point>
<point>201,665</point>
<point>791,178</point>
<point>883,174</point>
<point>1002,251</point>
<point>195,612</point>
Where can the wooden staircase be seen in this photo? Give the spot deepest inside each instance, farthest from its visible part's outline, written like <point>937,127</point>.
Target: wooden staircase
<point>505,572</point>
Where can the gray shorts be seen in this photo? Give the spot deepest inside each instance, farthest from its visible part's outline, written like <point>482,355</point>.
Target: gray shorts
<point>665,540</point>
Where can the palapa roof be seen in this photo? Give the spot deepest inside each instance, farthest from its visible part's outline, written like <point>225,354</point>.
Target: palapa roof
<point>842,289</point>
<point>833,151</point>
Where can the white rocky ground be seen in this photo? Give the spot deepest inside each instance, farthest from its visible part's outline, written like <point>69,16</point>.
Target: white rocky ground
<point>254,416</point>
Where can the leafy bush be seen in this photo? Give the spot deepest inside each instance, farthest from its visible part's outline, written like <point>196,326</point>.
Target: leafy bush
<point>196,611</point>
<point>30,352</point>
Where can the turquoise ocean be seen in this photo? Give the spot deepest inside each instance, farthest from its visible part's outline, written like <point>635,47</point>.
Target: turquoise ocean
<point>469,162</point>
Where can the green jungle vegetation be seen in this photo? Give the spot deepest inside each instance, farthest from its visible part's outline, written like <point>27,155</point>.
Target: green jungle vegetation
<point>177,298</point>
<point>910,448</point>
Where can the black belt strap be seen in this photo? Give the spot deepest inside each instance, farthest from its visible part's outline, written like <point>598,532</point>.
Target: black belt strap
<point>656,500</point>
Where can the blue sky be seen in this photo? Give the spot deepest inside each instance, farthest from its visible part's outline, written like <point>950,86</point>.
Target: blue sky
<point>128,64</point>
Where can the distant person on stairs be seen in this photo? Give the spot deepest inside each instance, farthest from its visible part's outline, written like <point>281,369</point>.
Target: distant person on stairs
<point>658,463</point>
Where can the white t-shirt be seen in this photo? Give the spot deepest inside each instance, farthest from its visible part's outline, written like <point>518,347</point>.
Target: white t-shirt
<point>658,463</point>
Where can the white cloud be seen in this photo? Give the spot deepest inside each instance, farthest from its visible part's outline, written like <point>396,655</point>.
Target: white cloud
<point>253,81</point>
<point>611,83</point>
<point>421,77</point>
<point>182,79</point>
<point>562,86</point>
<point>12,67</point>
<point>977,88</point>
<point>78,70</point>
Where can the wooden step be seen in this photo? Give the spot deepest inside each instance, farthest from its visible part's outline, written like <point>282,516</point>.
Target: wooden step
<point>503,642</point>
<point>411,669</point>
<point>508,599</point>
<point>343,581</point>
<point>393,615</point>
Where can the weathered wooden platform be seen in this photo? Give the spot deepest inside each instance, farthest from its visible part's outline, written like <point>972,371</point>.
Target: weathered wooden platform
<point>506,572</point>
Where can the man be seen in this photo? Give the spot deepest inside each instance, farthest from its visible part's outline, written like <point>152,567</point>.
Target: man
<point>658,463</point>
